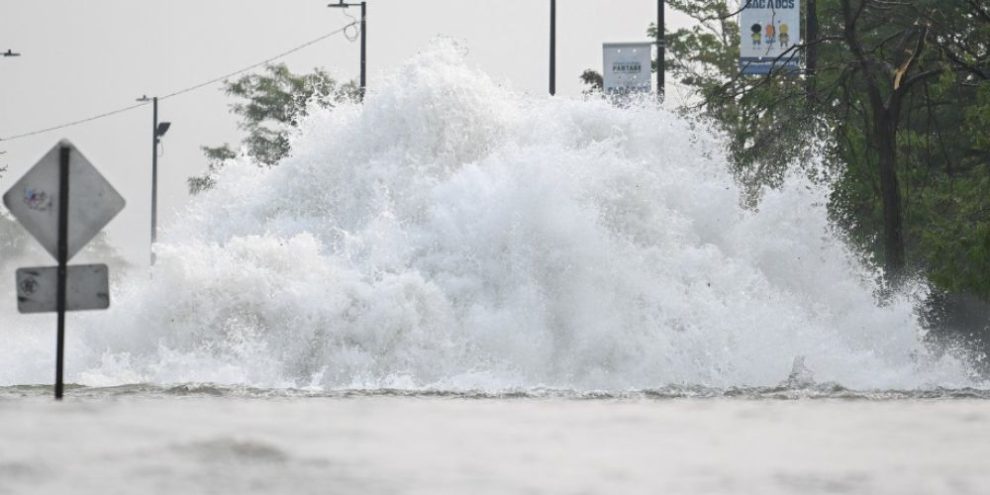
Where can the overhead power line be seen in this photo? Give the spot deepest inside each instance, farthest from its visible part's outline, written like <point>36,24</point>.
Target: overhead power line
<point>181,91</point>
<point>259,64</point>
<point>73,123</point>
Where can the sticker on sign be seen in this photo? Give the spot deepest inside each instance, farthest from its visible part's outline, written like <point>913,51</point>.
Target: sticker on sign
<point>34,201</point>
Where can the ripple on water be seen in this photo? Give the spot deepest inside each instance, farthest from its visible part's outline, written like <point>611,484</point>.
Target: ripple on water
<point>206,390</point>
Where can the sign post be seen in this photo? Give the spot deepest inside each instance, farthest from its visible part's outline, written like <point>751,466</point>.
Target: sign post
<point>64,153</point>
<point>661,52</point>
<point>770,33</point>
<point>63,201</point>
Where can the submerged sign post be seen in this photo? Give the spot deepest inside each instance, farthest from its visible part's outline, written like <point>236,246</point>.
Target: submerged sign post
<point>771,33</point>
<point>63,201</point>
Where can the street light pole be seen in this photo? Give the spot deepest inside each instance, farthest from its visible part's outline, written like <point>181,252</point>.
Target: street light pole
<point>157,131</point>
<point>364,39</point>
<point>811,53</point>
<point>553,47</point>
<point>8,53</point>
<point>364,47</point>
<point>154,176</point>
<point>661,51</point>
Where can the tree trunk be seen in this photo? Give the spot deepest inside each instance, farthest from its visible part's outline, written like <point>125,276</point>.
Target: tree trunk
<point>893,226</point>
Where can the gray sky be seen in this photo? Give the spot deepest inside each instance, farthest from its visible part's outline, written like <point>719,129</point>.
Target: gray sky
<point>84,58</point>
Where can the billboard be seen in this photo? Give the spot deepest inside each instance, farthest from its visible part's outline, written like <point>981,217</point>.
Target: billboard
<point>628,68</point>
<point>770,30</point>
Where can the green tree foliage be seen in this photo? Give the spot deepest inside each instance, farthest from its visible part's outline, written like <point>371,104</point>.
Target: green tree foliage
<point>593,80</point>
<point>902,99</point>
<point>270,105</point>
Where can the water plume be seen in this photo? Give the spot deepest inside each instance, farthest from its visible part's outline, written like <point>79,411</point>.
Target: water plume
<point>450,233</point>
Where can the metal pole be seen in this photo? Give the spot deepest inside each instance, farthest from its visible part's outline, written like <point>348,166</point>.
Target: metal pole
<point>553,47</point>
<point>661,51</point>
<point>154,177</point>
<point>364,48</point>
<point>63,258</point>
<point>812,50</point>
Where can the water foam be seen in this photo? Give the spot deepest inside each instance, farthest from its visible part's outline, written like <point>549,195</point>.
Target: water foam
<point>450,233</point>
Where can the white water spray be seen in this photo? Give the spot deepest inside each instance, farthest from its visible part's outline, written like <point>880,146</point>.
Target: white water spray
<point>452,234</point>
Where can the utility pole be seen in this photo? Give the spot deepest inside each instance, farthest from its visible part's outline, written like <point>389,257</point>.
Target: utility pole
<point>661,51</point>
<point>364,47</point>
<point>157,131</point>
<point>364,39</point>
<point>811,53</point>
<point>6,54</point>
<point>553,47</point>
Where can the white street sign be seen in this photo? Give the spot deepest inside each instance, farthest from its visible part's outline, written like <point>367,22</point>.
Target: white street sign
<point>34,201</point>
<point>87,288</point>
<point>628,67</point>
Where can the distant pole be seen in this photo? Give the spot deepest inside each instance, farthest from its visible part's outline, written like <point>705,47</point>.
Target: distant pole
<point>364,41</point>
<point>9,53</point>
<point>364,48</point>
<point>553,47</point>
<point>811,54</point>
<point>63,259</point>
<point>158,129</point>
<point>661,51</point>
<point>154,177</point>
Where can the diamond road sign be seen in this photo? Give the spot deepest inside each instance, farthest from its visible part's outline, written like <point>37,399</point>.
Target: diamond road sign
<point>87,288</point>
<point>34,201</point>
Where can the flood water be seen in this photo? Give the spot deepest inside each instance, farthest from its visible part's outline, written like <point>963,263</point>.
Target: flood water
<point>205,440</point>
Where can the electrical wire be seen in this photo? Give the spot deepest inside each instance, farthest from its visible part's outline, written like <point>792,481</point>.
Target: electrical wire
<point>354,24</point>
<point>73,123</point>
<point>259,64</point>
<point>181,91</point>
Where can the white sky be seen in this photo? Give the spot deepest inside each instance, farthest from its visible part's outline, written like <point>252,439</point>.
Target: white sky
<point>83,58</point>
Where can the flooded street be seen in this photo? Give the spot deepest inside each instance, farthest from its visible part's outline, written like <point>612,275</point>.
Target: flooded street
<point>421,445</point>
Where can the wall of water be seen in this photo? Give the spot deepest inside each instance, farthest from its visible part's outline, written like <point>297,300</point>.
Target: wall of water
<point>450,233</point>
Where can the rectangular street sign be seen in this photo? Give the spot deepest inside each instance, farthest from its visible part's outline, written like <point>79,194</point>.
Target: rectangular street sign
<point>771,33</point>
<point>34,201</point>
<point>87,288</point>
<point>627,67</point>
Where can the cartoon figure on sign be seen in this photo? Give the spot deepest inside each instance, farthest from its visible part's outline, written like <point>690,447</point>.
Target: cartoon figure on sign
<point>37,200</point>
<point>771,34</point>
<point>757,31</point>
<point>785,37</point>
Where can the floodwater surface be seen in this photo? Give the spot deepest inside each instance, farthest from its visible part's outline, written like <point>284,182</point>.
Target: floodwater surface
<point>211,442</point>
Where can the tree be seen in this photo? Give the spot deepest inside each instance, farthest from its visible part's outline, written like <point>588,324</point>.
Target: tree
<point>894,84</point>
<point>906,75</point>
<point>888,75</point>
<point>593,80</point>
<point>272,105</point>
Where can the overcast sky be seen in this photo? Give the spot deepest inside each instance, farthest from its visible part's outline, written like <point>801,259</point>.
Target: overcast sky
<point>84,58</point>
